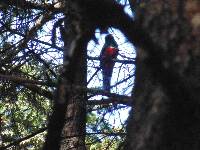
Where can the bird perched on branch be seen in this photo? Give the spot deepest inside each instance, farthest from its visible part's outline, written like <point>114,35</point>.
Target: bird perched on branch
<point>109,52</point>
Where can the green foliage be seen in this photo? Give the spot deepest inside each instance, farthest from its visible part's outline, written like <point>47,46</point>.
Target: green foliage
<point>28,54</point>
<point>23,116</point>
<point>102,135</point>
<point>23,108</point>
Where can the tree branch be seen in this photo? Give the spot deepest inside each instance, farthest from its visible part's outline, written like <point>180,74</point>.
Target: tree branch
<point>23,35</point>
<point>100,133</point>
<point>119,82</point>
<point>115,60</point>
<point>126,101</point>
<point>108,133</point>
<point>23,80</point>
<point>18,141</point>
<point>97,92</point>
<point>30,5</point>
<point>32,32</point>
<point>29,84</point>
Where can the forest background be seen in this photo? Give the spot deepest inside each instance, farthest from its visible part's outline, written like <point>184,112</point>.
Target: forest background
<point>45,101</point>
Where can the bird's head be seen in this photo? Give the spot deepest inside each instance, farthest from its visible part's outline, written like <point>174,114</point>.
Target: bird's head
<point>109,39</point>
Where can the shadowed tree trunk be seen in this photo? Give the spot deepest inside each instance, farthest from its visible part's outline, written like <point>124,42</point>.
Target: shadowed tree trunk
<point>68,119</point>
<point>73,133</point>
<point>67,123</point>
<point>166,96</point>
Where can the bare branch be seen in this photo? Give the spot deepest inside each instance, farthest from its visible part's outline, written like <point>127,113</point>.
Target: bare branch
<point>115,60</point>
<point>129,77</point>
<point>94,75</point>
<point>108,133</point>
<point>125,101</point>
<point>97,92</point>
<point>100,133</point>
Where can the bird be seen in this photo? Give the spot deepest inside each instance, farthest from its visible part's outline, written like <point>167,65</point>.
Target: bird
<point>108,53</point>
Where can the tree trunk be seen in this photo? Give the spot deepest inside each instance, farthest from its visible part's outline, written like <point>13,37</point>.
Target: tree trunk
<point>166,94</point>
<point>66,128</point>
<point>73,132</point>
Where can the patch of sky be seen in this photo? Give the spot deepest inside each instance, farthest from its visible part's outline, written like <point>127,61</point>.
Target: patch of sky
<point>122,80</point>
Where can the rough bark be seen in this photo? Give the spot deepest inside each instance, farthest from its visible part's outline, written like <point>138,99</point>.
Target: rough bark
<point>66,129</point>
<point>73,132</point>
<point>166,98</point>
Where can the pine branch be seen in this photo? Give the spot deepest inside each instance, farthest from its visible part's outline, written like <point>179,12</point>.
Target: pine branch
<point>18,141</point>
<point>29,84</point>
<point>30,5</point>
<point>23,80</point>
<point>23,35</point>
<point>32,32</point>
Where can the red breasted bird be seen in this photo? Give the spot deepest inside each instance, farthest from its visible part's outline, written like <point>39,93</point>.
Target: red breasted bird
<point>109,52</point>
